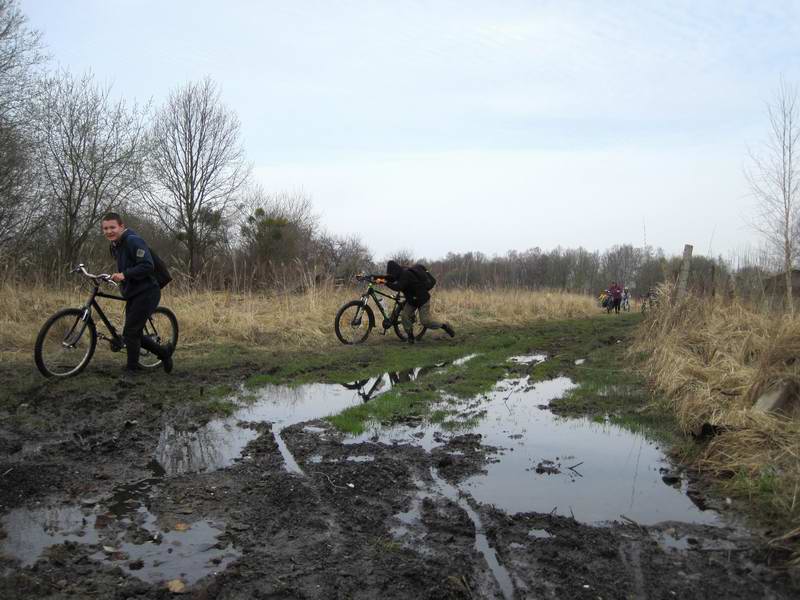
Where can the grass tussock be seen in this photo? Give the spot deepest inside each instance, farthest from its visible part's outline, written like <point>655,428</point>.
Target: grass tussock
<point>292,320</point>
<point>712,360</point>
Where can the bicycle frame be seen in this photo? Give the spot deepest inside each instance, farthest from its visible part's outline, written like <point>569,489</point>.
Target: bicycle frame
<point>116,340</point>
<point>388,319</point>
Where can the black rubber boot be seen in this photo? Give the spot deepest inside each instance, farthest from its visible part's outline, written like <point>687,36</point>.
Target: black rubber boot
<point>449,329</point>
<point>164,353</point>
<point>132,347</point>
<point>410,337</point>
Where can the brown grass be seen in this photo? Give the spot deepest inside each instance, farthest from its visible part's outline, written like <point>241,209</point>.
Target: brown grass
<point>290,320</point>
<point>712,360</point>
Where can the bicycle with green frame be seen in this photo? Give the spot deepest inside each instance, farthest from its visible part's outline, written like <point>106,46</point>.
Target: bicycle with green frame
<point>356,319</point>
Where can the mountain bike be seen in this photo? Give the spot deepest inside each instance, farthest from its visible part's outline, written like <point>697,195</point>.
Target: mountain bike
<point>356,319</point>
<point>68,339</point>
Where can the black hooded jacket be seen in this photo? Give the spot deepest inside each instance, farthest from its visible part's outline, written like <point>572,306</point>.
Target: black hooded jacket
<point>403,279</point>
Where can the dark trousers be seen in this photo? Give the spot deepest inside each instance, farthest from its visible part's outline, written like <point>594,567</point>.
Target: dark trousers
<point>617,302</point>
<point>137,310</point>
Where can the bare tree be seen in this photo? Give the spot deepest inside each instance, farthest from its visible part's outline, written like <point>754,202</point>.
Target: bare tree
<point>197,166</point>
<point>89,152</point>
<point>20,52</point>
<point>773,178</point>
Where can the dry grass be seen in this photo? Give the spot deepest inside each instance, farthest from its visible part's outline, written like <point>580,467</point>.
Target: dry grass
<point>288,320</point>
<point>712,360</point>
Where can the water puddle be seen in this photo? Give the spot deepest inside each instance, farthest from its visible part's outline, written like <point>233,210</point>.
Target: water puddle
<point>593,471</point>
<point>460,362</point>
<point>528,359</point>
<point>125,534</point>
<point>220,442</point>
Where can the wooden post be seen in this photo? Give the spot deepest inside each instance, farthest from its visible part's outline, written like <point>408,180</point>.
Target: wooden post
<point>683,278</point>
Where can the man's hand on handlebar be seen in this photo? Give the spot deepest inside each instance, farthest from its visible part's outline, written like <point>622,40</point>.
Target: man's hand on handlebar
<point>117,277</point>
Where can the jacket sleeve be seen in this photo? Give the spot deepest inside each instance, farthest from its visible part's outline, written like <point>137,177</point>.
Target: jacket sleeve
<point>142,259</point>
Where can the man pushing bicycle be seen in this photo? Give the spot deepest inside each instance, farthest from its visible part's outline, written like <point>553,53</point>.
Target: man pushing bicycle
<point>415,284</point>
<point>140,288</point>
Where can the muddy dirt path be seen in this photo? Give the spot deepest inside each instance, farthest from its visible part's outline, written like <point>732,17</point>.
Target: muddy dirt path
<point>497,497</point>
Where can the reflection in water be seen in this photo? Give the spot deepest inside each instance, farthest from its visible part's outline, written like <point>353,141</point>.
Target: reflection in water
<point>221,441</point>
<point>375,386</point>
<point>596,471</point>
<point>130,535</point>
<point>198,451</point>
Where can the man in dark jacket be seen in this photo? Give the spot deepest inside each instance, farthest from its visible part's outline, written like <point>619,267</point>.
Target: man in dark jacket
<point>134,274</point>
<point>417,294</point>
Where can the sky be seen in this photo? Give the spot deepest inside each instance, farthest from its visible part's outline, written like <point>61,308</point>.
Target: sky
<point>455,126</point>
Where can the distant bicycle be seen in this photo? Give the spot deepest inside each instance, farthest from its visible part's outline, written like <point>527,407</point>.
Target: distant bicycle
<point>68,339</point>
<point>356,319</point>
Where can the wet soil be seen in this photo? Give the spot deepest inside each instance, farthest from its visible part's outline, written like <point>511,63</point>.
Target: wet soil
<point>273,502</point>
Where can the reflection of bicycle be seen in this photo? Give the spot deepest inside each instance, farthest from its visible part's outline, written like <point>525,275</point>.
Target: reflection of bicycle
<point>355,320</point>
<point>67,340</point>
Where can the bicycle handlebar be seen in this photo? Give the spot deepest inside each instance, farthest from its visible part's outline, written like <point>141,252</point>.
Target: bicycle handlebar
<point>81,268</point>
<point>370,278</point>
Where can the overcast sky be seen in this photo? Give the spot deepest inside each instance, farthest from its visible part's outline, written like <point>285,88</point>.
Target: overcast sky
<point>443,126</point>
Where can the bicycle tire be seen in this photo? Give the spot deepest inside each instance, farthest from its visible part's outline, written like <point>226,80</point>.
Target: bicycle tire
<point>337,324</point>
<point>173,337</point>
<point>38,354</point>
<point>418,333</point>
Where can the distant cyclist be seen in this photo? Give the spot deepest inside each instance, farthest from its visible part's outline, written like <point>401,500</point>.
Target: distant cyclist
<point>415,283</point>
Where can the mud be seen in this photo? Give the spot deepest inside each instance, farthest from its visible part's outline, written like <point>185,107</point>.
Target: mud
<point>272,502</point>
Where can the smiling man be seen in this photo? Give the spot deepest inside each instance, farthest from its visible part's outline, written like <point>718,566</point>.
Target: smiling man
<point>136,277</point>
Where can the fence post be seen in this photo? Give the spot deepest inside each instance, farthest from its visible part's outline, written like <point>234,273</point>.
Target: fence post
<point>683,278</point>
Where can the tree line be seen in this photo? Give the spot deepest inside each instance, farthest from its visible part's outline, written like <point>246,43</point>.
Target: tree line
<point>70,151</point>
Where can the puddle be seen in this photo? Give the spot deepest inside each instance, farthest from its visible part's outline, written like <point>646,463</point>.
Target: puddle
<point>542,534</point>
<point>220,443</point>
<point>459,362</point>
<point>125,533</point>
<point>528,359</point>
<point>594,472</point>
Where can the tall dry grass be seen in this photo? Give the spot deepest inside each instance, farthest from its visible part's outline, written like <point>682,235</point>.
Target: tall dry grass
<point>288,320</point>
<point>712,360</point>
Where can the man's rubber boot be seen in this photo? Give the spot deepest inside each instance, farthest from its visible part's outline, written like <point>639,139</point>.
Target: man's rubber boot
<point>132,348</point>
<point>410,337</point>
<point>449,329</point>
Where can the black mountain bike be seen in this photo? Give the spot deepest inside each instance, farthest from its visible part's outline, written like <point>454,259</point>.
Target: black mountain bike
<point>67,340</point>
<point>355,320</point>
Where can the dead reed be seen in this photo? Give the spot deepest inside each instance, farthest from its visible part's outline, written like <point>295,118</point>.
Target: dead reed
<point>712,360</point>
<point>289,320</point>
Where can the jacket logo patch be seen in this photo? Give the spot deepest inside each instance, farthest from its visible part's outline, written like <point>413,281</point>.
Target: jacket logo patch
<point>140,253</point>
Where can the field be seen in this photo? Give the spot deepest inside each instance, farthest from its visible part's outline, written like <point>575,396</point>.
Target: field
<point>523,458</point>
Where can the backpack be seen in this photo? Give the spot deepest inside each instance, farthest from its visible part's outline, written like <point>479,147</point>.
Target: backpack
<point>160,270</point>
<point>161,273</point>
<point>425,277</point>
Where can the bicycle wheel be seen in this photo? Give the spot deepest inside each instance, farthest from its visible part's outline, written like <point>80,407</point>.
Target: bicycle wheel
<point>416,327</point>
<point>162,327</point>
<point>351,325</point>
<point>65,344</point>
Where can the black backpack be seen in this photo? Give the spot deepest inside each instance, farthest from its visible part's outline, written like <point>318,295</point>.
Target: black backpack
<point>160,270</point>
<point>425,277</point>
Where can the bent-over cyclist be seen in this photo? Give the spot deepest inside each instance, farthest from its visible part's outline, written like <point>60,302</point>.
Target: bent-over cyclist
<point>415,283</point>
